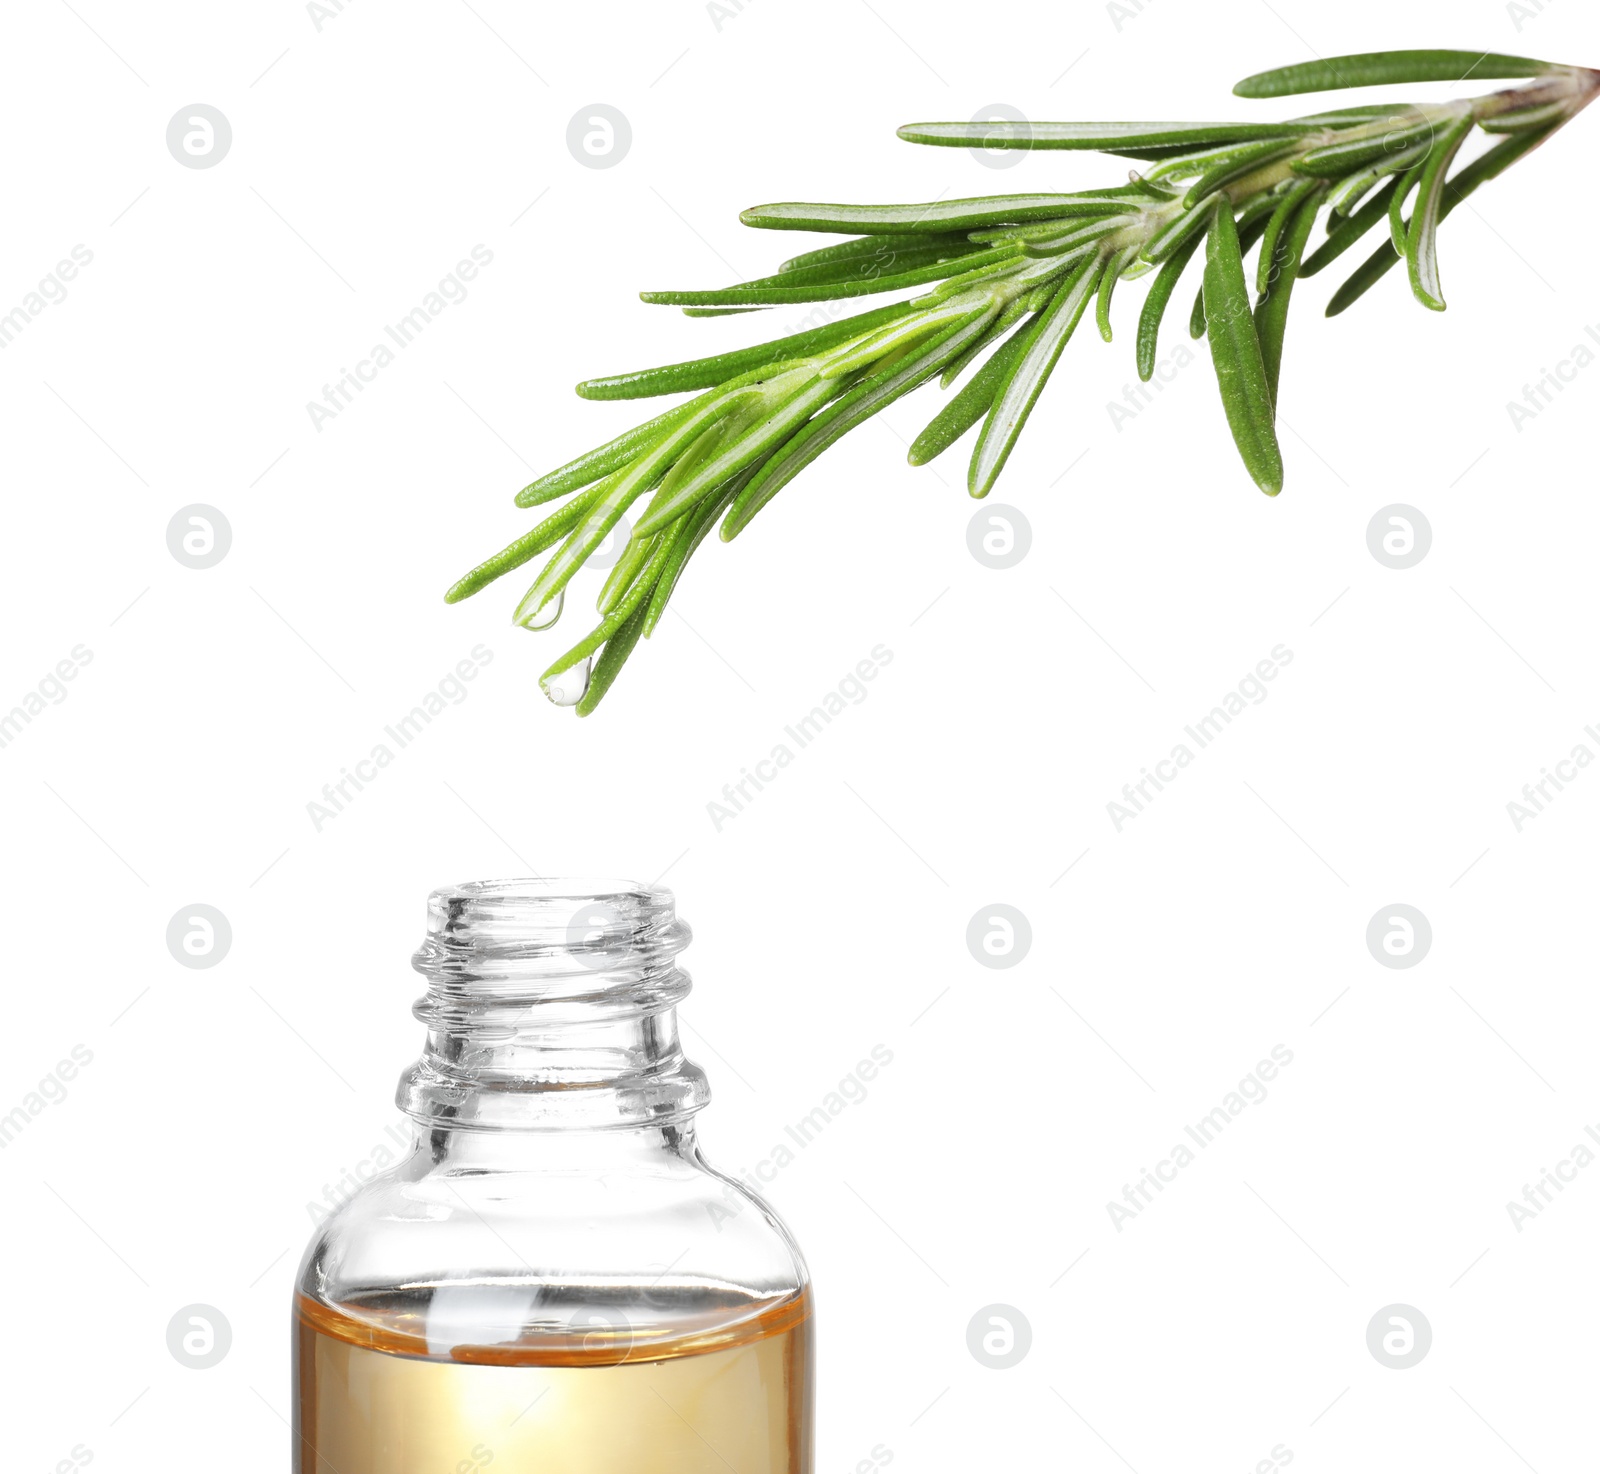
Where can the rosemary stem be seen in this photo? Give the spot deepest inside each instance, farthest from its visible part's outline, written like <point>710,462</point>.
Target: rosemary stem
<point>1572,87</point>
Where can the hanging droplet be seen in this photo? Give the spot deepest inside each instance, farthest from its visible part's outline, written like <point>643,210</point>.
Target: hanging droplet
<point>548,615</point>
<point>568,688</point>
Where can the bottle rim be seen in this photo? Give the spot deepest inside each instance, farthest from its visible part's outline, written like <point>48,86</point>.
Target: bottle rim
<point>551,1003</point>
<point>537,928</point>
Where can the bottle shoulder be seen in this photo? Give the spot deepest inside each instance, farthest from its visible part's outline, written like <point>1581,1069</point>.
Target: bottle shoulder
<point>662,1240</point>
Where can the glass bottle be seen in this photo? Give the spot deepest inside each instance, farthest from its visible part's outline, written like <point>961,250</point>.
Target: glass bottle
<point>553,1277</point>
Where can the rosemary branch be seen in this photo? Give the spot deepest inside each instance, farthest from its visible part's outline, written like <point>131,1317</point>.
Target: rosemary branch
<point>1010,277</point>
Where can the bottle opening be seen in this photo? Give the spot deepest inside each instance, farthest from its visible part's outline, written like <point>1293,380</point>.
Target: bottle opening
<point>551,1004</point>
<point>532,929</point>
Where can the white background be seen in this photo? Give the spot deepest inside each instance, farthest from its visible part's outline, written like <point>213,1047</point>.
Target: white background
<point>368,157</point>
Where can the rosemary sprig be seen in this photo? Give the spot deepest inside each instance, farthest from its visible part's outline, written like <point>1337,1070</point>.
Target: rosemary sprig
<point>1006,279</point>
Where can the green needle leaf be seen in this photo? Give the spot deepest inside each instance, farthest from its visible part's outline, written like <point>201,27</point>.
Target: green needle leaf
<point>969,406</point>
<point>1068,242</point>
<point>1287,206</point>
<point>623,613</point>
<point>1349,230</point>
<point>618,648</point>
<point>1362,279</point>
<point>863,401</point>
<point>1179,231</point>
<point>1236,166</point>
<point>1108,284</point>
<point>1021,388</point>
<point>1382,68</point>
<point>612,456</point>
<point>896,254</point>
<point>635,556</point>
<point>1105,136</point>
<point>1422,248</point>
<point>1272,312</point>
<point>1236,353</point>
<point>1252,222</point>
<point>1350,117</point>
<point>773,289</point>
<point>1339,159</point>
<point>703,373</point>
<point>876,249</point>
<point>1397,204</point>
<point>1478,172</point>
<point>1527,117</point>
<point>619,494</point>
<point>546,535</point>
<point>1192,163</point>
<point>966,214</point>
<point>626,449</point>
<point>1030,231</point>
<point>874,348</point>
<point>1346,195</point>
<point>690,465</point>
<point>691,532</point>
<point>1155,306</point>
<point>762,437</point>
<point>995,331</point>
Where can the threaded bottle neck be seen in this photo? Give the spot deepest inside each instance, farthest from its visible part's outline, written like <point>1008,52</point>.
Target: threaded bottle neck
<point>551,1006</point>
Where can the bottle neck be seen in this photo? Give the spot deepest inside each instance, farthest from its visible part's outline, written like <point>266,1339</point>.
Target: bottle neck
<point>551,1006</point>
<point>587,1150</point>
